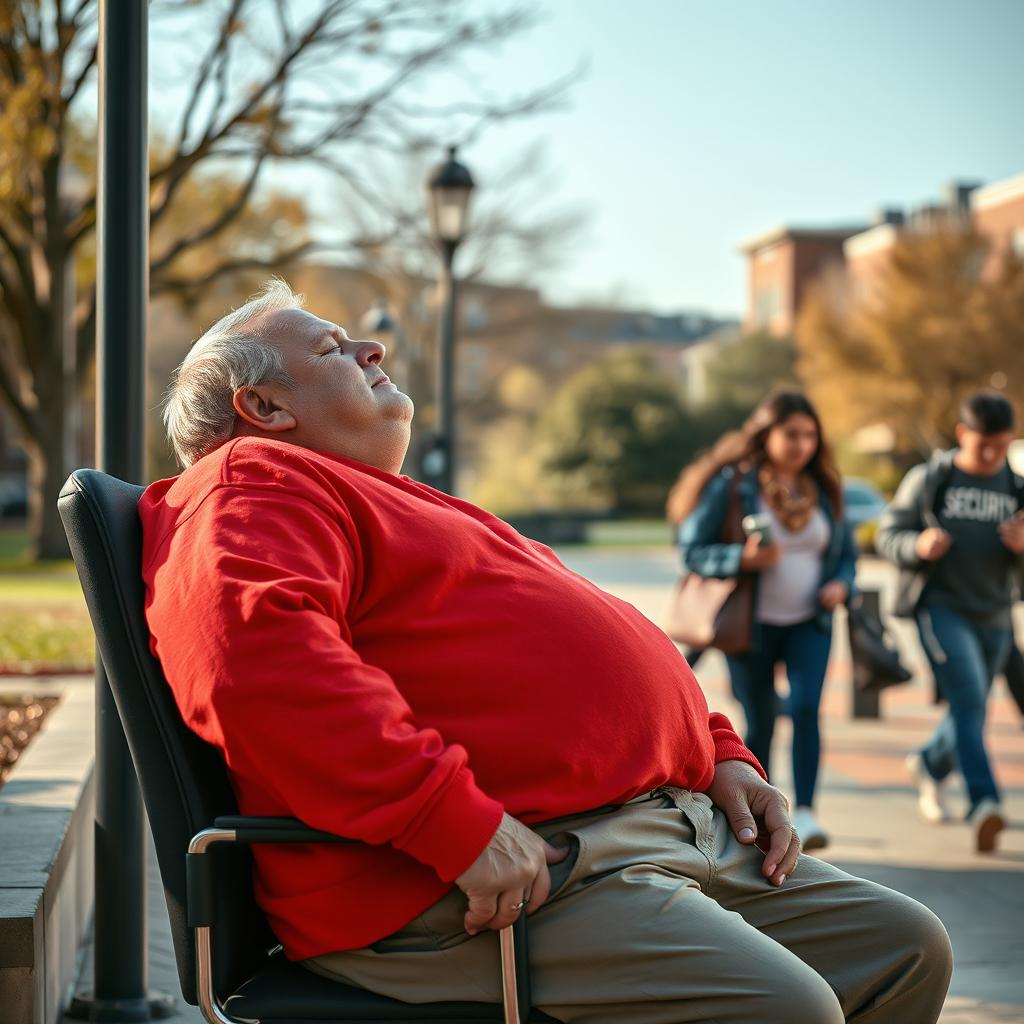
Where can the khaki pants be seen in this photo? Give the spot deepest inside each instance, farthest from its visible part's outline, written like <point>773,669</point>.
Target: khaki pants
<point>663,917</point>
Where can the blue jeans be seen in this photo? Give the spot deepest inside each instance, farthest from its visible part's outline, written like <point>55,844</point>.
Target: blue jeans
<point>964,656</point>
<point>804,649</point>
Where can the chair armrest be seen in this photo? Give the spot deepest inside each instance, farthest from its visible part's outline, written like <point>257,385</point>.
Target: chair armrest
<point>250,829</point>
<point>238,828</point>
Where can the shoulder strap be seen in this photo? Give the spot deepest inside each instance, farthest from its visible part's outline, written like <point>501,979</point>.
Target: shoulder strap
<point>930,513</point>
<point>732,524</point>
<point>1018,489</point>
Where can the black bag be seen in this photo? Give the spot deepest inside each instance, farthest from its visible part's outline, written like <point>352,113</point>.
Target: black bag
<point>876,661</point>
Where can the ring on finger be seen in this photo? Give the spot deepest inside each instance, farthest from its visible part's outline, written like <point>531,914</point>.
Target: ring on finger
<point>522,903</point>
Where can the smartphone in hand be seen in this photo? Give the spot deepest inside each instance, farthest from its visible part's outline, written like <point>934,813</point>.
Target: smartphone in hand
<point>760,523</point>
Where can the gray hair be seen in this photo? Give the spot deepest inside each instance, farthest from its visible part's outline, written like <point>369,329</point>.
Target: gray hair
<point>198,412</point>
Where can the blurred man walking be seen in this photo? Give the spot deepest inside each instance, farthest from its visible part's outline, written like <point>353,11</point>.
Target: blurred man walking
<point>956,531</point>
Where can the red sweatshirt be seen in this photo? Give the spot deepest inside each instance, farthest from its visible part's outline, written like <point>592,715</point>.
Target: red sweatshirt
<point>397,666</point>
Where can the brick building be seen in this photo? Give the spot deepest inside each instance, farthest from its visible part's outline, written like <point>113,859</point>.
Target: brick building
<point>997,211</point>
<point>867,253</point>
<point>781,265</point>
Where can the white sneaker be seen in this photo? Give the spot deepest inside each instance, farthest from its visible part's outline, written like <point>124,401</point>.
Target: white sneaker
<point>809,829</point>
<point>988,821</point>
<point>931,796</point>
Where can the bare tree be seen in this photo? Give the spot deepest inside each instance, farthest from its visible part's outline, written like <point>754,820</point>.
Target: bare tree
<point>325,84</point>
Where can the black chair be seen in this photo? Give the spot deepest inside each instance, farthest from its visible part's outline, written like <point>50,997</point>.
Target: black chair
<point>229,962</point>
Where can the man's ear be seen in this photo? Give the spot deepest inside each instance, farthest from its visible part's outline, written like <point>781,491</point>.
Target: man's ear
<point>259,406</point>
<point>961,429</point>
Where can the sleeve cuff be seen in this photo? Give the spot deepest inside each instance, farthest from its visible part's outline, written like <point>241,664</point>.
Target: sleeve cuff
<point>738,752</point>
<point>729,747</point>
<point>732,560</point>
<point>457,829</point>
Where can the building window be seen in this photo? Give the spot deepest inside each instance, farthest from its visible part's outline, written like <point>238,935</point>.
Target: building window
<point>766,304</point>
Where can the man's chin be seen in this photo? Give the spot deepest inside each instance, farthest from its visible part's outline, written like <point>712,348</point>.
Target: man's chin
<point>405,402</point>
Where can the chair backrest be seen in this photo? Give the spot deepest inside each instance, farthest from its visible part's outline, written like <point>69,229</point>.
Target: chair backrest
<point>184,781</point>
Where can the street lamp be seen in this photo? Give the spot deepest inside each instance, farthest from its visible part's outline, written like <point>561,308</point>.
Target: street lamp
<point>378,324</point>
<point>448,191</point>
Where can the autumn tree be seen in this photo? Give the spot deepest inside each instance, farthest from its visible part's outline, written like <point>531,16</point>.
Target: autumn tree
<point>325,84</point>
<point>617,432</point>
<point>944,315</point>
<point>745,369</point>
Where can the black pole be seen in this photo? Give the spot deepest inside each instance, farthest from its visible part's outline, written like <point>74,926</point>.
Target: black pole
<point>866,703</point>
<point>119,932</point>
<point>446,370</point>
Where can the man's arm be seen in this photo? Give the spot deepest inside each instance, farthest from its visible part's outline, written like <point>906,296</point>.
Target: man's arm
<point>700,544</point>
<point>901,524</point>
<point>728,745</point>
<point>265,669</point>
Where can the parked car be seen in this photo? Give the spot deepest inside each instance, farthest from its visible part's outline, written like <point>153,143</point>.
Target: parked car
<point>864,506</point>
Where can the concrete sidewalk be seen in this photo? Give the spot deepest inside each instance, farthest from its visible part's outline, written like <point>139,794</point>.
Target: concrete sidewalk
<point>867,802</point>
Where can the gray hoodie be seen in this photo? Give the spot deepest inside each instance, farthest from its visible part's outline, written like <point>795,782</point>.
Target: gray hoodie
<point>909,513</point>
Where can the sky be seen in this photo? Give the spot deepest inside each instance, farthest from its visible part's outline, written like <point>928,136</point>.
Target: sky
<point>696,125</point>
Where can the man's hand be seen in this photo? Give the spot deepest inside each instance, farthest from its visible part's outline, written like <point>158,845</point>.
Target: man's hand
<point>512,868</point>
<point>1011,533</point>
<point>756,557</point>
<point>932,543</point>
<point>755,809</point>
<point>832,595</point>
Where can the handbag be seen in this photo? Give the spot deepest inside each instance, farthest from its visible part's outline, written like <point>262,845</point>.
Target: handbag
<point>708,612</point>
<point>876,661</point>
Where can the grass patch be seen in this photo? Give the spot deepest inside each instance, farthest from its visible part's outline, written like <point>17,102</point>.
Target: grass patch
<point>628,533</point>
<point>49,639</point>
<point>21,589</point>
<point>13,544</point>
<point>44,624</point>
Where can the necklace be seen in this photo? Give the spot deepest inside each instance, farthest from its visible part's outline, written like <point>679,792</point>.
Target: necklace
<point>793,507</point>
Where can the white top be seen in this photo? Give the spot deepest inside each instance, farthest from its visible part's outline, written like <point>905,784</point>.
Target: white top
<point>788,593</point>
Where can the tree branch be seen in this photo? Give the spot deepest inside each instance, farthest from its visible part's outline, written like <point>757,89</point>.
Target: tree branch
<point>182,162</point>
<point>85,337</point>
<point>14,300</point>
<point>185,284</point>
<point>21,261</point>
<point>220,45</point>
<point>80,11</point>
<point>230,212</point>
<point>9,386</point>
<point>90,63</point>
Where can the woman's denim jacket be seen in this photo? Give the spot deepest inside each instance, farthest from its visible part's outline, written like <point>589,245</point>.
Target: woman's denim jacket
<point>703,552</point>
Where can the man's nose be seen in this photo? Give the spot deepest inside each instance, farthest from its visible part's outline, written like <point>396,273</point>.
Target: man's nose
<point>369,353</point>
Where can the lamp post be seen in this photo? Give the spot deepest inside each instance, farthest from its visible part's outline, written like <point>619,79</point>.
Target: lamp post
<point>448,191</point>
<point>120,990</point>
<point>378,324</point>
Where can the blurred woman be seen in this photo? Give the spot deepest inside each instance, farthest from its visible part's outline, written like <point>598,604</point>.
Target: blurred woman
<point>802,558</point>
